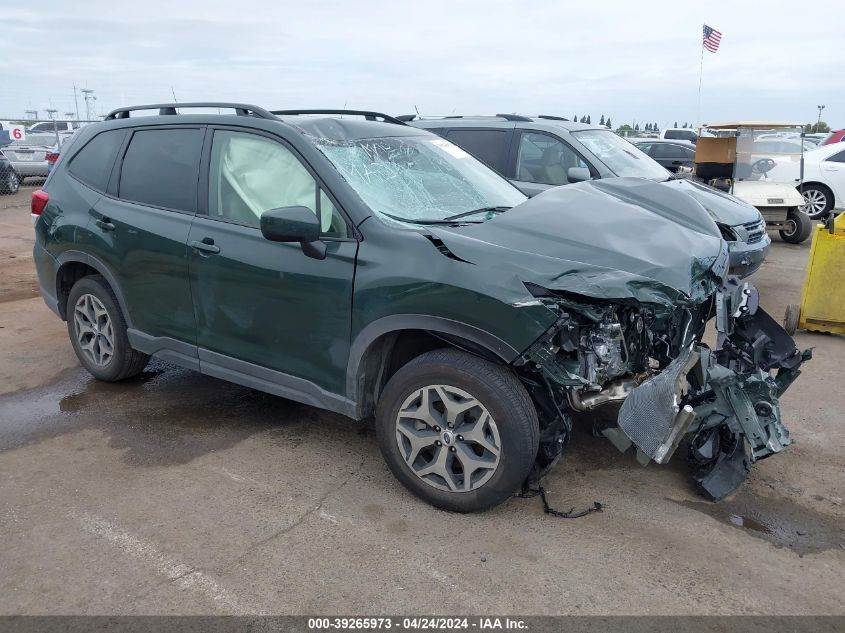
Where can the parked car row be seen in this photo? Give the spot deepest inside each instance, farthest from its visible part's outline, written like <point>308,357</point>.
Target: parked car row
<point>375,268</point>
<point>34,155</point>
<point>822,187</point>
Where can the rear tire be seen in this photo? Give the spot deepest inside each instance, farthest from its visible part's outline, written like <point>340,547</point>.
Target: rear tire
<point>802,227</point>
<point>493,439</point>
<point>97,332</point>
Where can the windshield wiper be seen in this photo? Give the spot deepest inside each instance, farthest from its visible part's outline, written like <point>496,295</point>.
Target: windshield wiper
<point>475,211</point>
<point>452,219</point>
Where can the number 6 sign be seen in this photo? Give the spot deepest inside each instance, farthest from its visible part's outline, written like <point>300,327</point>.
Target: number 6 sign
<point>17,132</point>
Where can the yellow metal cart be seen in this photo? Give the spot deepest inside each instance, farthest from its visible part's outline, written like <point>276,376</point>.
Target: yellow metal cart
<point>822,306</point>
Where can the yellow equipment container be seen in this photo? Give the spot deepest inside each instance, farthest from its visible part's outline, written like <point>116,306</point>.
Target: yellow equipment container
<point>822,306</point>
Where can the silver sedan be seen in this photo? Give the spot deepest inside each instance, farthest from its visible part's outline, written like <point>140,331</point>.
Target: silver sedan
<point>29,156</point>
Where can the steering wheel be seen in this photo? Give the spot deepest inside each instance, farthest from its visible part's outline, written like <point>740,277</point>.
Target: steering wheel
<point>762,166</point>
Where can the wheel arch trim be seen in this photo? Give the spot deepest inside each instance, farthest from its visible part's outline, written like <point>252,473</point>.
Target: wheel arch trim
<point>74,256</point>
<point>367,342</point>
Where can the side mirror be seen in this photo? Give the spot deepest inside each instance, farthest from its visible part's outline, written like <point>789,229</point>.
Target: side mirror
<point>290,224</point>
<point>577,174</point>
<point>294,224</point>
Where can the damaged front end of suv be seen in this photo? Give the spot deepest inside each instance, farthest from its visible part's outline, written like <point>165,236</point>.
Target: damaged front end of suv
<point>640,282</point>
<point>670,383</point>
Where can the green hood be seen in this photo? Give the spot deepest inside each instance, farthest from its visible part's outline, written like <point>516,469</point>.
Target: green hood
<point>620,238</point>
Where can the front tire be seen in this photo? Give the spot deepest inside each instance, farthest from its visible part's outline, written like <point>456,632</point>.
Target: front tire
<point>458,431</point>
<point>800,229</point>
<point>97,332</point>
<point>818,201</point>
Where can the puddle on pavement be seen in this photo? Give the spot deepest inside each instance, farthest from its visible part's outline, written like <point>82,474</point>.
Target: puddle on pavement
<point>778,520</point>
<point>165,416</point>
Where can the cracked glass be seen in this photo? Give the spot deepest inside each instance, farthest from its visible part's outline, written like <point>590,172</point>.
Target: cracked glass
<point>419,178</point>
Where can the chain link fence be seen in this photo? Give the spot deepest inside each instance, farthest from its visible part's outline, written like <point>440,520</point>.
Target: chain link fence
<point>31,147</point>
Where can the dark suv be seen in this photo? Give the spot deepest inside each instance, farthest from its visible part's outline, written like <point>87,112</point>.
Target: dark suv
<point>537,153</point>
<point>370,268</point>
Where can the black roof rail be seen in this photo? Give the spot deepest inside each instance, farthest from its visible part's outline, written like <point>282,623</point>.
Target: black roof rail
<point>513,117</point>
<point>406,117</point>
<point>551,117</point>
<point>506,117</point>
<point>367,114</point>
<point>241,109</point>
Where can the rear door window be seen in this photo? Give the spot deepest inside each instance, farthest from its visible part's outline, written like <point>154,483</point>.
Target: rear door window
<point>161,167</point>
<point>488,146</point>
<point>93,163</point>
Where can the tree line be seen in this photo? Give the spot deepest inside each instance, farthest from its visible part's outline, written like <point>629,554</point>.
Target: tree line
<point>635,127</point>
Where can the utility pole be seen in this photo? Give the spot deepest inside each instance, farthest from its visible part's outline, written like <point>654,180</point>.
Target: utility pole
<point>31,114</point>
<point>76,101</point>
<point>51,113</point>
<point>90,98</point>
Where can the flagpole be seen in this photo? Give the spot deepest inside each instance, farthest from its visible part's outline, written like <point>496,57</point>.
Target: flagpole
<point>700,75</point>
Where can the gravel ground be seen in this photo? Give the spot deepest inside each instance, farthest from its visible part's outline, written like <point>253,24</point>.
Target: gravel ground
<point>176,493</point>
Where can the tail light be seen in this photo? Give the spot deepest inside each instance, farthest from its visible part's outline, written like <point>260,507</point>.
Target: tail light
<point>51,157</point>
<point>39,201</point>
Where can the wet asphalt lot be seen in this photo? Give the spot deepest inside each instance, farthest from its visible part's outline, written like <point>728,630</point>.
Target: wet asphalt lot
<point>180,493</point>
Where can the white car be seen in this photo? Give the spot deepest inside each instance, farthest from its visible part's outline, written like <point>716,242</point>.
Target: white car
<point>679,133</point>
<point>824,179</point>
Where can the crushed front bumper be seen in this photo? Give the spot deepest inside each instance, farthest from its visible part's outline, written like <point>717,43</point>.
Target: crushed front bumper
<point>726,400</point>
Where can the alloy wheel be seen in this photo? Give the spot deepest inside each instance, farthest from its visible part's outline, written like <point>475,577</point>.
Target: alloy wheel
<point>448,438</point>
<point>94,331</point>
<point>815,203</point>
<point>12,182</point>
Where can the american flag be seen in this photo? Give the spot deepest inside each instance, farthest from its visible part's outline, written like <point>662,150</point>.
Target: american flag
<point>712,38</point>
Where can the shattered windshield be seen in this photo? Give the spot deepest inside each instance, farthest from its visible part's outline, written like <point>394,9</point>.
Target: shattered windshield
<point>620,156</point>
<point>420,178</point>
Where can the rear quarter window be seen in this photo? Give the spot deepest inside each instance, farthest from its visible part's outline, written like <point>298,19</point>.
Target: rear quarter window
<point>93,163</point>
<point>683,135</point>
<point>161,167</point>
<point>488,146</point>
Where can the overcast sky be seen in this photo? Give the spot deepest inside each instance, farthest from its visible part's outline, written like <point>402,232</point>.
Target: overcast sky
<point>627,60</point>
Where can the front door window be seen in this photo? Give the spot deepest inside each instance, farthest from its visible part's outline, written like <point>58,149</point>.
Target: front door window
<point>251,175</point>
<point>545,160</point>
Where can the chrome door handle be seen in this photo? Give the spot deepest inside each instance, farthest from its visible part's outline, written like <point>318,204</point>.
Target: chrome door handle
<point>206,246</point>
<point>105,224</point>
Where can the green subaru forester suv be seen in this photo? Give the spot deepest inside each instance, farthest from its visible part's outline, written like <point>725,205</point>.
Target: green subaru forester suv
<point>348,261</point>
